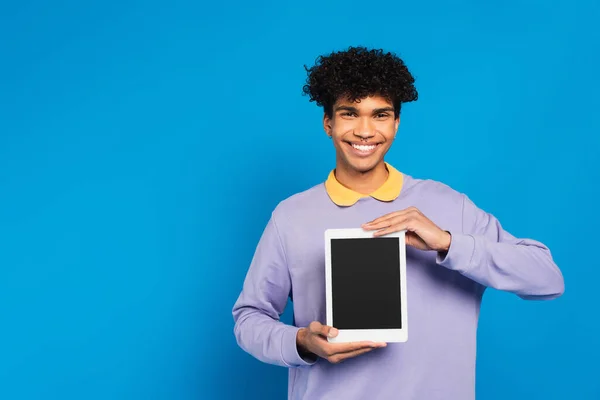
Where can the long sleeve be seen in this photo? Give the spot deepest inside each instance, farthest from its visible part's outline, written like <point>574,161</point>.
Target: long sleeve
<point>257,311</point>
<point>486,253</point>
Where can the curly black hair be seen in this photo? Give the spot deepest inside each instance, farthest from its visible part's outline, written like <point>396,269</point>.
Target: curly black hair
<point>357,73</point>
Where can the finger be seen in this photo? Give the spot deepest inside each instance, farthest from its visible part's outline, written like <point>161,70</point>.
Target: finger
<point>386,220</point>
<point>335,359</point>
<point>316,328</point>
<point>332,349</point>
<point>386,223</point>
<point>401,223</point>
<point>382,218</point>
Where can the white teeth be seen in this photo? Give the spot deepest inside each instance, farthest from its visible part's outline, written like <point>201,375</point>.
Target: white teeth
<point>363,147</point>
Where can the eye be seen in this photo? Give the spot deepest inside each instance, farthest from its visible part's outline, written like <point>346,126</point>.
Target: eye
<point>382,115</point>
<point>348,114</point>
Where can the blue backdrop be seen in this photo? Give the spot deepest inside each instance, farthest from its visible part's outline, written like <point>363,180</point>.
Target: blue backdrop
<point>137,139</point>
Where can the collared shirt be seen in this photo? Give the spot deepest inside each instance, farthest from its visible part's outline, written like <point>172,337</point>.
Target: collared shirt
<point>344,196</point>
<point>444,290</point>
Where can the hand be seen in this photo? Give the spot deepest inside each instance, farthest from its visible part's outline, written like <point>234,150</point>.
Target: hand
<point>313,340</point>
<point>421,233</point>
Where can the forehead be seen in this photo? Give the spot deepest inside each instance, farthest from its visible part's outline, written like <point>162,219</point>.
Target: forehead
<point>370,102</point>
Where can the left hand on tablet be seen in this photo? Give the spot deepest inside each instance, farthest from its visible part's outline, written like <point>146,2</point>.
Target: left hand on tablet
<point>421,232</point>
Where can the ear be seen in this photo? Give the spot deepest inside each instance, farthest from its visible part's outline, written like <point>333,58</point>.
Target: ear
<point>396,125</point>
<point>327,124</point>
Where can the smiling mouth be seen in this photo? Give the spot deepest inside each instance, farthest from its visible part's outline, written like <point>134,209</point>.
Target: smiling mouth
<point>363,149</point>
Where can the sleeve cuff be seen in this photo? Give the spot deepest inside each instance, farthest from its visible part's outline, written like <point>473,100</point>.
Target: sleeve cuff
<point>289,350</point>
<point>460,253</point>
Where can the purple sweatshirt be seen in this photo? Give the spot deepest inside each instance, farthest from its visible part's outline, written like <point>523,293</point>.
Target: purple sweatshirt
<point>444,292</point>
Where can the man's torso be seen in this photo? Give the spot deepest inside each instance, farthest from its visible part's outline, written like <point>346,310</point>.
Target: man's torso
<point>438,360</point>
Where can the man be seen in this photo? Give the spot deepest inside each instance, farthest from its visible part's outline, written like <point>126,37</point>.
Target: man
<point>454,251</point>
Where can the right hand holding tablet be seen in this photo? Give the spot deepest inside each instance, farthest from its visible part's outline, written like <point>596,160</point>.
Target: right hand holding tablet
<point>313,340</point>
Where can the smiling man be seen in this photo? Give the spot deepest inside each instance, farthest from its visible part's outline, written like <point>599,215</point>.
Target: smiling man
<point>455,251</point>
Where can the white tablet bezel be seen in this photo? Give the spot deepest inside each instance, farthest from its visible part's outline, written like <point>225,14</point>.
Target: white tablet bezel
<point>375,335</point>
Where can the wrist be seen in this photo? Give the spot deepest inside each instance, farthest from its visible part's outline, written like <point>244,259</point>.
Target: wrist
<point>300,339</point>
<point>301,344</point>
<point>445,247</point>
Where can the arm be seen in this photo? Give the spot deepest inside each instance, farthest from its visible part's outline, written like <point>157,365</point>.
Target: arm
<point>258,308</point>
<point>486,253</point>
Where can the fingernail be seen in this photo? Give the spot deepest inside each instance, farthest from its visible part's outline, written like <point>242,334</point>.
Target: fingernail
<point>333,332</point>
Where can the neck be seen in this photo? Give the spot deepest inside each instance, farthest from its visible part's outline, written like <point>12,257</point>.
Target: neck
<point>361,182</point>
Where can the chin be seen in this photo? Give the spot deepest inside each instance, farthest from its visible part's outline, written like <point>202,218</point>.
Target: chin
<point>363,165</point>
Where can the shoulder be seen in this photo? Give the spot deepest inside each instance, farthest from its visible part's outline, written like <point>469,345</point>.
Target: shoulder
<point>432,190</point>
<point>312,198</point>
<point>440,202</point>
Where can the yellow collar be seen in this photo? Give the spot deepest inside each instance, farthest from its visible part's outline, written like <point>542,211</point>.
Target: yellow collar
<point>342,196</point>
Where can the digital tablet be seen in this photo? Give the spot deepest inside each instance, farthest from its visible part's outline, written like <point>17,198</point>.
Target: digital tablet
<point>365,280</point>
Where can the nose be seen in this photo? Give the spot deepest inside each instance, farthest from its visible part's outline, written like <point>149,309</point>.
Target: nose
<point>364,130</point>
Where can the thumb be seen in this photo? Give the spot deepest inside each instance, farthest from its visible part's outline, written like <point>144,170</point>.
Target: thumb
<point>409,237</point>
<point>317,328</point>
<point>414,240</point>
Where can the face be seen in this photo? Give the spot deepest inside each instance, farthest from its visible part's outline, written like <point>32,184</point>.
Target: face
<point>362,132</point>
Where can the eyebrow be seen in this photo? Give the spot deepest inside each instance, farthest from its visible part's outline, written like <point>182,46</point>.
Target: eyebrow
<point>354,109</point>
<point>384,109</point>
<point>347,108</point>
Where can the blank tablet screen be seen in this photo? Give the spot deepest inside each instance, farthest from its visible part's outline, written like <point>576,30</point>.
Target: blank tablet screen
<point>365,283</point>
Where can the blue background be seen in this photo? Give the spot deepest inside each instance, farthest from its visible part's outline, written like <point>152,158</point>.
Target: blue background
<point>138,138</point>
